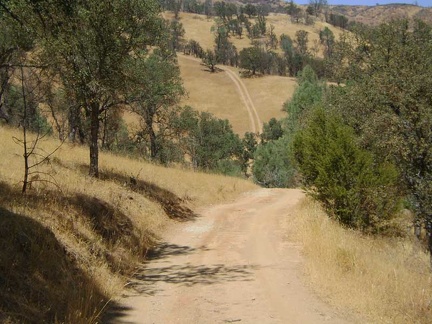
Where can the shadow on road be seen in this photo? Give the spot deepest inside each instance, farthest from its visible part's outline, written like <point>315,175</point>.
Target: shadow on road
<point>147,279</point>
<point>166,250</point>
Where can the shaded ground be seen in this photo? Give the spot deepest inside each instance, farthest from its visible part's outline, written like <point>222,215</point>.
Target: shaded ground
<point>232,264</point>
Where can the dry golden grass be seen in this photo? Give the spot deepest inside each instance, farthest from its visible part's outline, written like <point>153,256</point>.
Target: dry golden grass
<point>387,280</point>
<point>216,93</point>
<point>198,28</point>
<point>269,93</point>
<point>65,253</point>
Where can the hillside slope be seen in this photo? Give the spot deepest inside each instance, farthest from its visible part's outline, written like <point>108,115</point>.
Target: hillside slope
<point>375,15</point>
<point>216,93</point>
<point>68,245</point>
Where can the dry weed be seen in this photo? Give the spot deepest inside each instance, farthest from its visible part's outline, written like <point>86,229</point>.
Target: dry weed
<point>387,279</point>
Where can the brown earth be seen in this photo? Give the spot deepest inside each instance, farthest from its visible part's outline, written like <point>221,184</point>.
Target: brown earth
<point>234,263</point>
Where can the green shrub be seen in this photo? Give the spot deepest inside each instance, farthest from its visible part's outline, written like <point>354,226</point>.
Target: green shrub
<point>272,166</point>
<point>353,188</point>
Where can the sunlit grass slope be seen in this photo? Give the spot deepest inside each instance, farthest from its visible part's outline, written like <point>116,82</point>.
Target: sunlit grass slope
<point>66,249</point>
<point>199,28</point>
<point>386,280</point>
<point>216,93</point>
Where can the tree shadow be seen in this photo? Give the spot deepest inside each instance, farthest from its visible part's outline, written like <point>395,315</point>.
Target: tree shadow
<point>173,205</point>
<point>148,277</point>
<point>40,281</point>
<point>165,250</point>
<point>189,275</point>
<point>216,69</point>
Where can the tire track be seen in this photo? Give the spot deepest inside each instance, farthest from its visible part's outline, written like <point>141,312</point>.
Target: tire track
<point>248,100</point>
<point>254,119</point>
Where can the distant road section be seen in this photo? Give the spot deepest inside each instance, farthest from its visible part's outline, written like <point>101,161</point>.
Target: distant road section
<point>254,119</point>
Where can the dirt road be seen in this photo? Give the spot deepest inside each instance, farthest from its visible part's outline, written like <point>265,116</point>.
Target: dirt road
<point>254,119</point>
<point>234,264</point>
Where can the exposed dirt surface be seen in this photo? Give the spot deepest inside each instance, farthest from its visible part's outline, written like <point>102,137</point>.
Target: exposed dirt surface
<point>233,264</point>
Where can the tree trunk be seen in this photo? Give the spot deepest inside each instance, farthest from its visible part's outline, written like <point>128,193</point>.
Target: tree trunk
<point>94,136</point>
<point>429,236</point>
<point>152,136</point>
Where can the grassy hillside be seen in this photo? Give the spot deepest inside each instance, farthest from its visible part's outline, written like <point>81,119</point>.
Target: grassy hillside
<point>375,15</point>
<point>198,28</point>
<point>215,93</point>
<point>384,279</point>
<point>66,249</point>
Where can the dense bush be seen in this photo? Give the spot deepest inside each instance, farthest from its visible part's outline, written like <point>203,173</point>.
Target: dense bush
<point>343,177</point>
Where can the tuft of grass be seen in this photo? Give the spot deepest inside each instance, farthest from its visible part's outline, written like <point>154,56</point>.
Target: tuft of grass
<point>387,279</point>
<point>67,249</point>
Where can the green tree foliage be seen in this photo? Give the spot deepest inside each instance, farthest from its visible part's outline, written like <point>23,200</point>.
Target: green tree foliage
<point>337,20</point>
<point>224,50</point>
<point>250,144</point>
<point>293,59</point>
<point>342,176</point>
<point>307,95</point>
<point>272,131</point>
<point>209,60</point>
<point>390,103</point>
<point>160,89</point>
<point>301,42</point>
<point>327,39</point>
<point>15,41</point>
<point>194,48</point>
<point>251,58</point>
<point>176,34</point>
<point>317,6</point>
<point>90,46</point>
<point>250,10</point>
<point>272,166</point>
<point>224,10</point>
<point>209,142</point>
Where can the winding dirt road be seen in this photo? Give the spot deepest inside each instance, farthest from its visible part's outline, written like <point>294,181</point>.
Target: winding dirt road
<point>233,264</point>
<point>254,119</point>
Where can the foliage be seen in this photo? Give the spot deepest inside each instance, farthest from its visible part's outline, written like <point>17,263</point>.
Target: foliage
<point>209,142</point>
<point>89,46</point>
<point>272,166</point>
<point>301,42</point>
<point>209,60</point>
<point>225,52</point>
<point>272,131</point>
<point>307,95</point>
<point>343,177</point>
<point>160,89</point>
<point>249,143</point>
<point>391,103</point>
<point>327,39</point>
<point>250,58</point>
